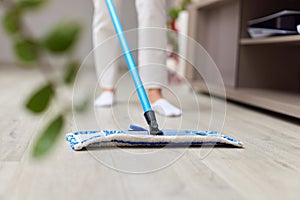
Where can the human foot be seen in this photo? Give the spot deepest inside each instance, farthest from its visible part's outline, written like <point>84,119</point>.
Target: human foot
<point>163,107</point>
<point>107,98</point>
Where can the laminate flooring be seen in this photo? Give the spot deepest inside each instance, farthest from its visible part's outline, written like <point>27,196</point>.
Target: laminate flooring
<point>268,167</point>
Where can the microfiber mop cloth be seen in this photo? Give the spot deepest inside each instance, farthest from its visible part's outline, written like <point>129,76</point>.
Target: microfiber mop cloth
<point>140,137</point>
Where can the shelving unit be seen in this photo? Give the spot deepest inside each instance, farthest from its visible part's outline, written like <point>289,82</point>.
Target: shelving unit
<point>259,72</point>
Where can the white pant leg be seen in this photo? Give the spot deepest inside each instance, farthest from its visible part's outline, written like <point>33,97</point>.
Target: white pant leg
<point>152,13</point>
<point>103,29</point>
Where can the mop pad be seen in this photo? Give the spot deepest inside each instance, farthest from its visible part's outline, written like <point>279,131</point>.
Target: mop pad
<point>139,137</point>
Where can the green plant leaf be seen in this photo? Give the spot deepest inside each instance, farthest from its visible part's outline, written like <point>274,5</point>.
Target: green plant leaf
<point>173,13</point>
<point>71,72</point>
<point>11,22</point>
<point>48,137</point>
<point>27,4</point>
<point>26,50</point>
<point>40,99</point>
<point>62,37</point>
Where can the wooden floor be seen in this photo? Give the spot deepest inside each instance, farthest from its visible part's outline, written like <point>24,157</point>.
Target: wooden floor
<point>267,168</point>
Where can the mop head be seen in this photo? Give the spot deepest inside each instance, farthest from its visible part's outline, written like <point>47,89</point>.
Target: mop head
<point>141,137</point>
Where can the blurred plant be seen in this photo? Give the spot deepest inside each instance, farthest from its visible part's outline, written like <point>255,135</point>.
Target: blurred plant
<point>172,36</point>
<point>33,52</point>
<point>173,46</point>
<point>173,14</point>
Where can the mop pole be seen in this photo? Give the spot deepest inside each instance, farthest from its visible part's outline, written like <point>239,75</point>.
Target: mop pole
<point>148,112</point>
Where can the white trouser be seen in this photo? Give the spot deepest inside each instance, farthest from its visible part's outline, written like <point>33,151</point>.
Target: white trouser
<point>152,43</point>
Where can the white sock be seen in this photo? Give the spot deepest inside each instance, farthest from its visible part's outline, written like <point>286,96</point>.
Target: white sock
<point>163,107</point>
<point>107,98</point>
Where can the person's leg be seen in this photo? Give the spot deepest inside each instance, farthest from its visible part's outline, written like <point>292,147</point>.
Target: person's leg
<point>103,29</point>
<point>152,54</point>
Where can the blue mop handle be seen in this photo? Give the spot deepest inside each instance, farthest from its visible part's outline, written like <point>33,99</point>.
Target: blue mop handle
<point>128,57</point>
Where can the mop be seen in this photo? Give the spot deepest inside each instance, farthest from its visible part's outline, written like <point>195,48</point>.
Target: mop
<point>138,136</point>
